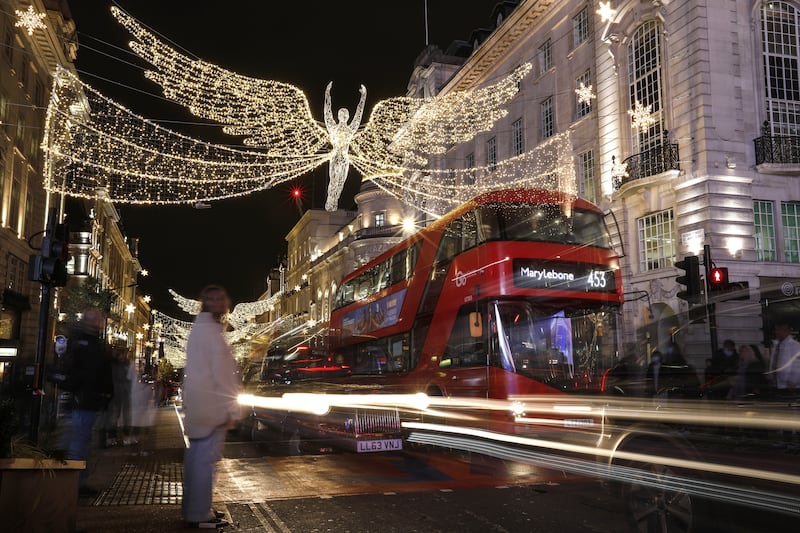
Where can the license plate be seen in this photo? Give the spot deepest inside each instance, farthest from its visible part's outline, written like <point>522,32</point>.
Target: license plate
<point>382,445</point>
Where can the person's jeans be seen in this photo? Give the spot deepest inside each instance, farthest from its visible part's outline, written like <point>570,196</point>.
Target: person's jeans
<point>199,462</point>
<point>80,441</point>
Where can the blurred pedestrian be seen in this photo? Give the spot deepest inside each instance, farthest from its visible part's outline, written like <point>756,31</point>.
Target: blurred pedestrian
<point>211,384</point>
<point>749,382</point>
<point>143,409</point>
<point>118,415</point>
<point>721,373</point>
<point>92,386</point>
<point>784,366</point>
<point>654,377</point>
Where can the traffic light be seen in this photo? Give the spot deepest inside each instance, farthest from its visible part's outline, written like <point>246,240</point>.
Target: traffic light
<point>691,279</point>
<point>50,266</point>
<point>718,279</point>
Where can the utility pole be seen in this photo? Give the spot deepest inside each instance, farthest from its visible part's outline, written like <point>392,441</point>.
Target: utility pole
<point>41,337</point>
<point>710,306</point>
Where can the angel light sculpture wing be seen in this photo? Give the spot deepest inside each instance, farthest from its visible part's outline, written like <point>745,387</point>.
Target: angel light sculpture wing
<point>400,135</point>
<point>241,315</point>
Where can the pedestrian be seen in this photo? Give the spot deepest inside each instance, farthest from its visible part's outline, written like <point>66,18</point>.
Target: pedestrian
<point>784,370</point>
<point>211,385</point>
<point>653,376</point>
<point>784,367</point>
<point>118,419</point>
<point>143,412</point>
<point>722,371</point>
<point>749,380</point>
<point>92,386</point>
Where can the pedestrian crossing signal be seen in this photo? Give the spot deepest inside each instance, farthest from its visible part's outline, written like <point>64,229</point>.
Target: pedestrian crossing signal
<point>718,279</point>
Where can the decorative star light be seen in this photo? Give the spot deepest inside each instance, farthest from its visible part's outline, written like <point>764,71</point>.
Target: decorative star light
<point>642,117</point>
<point>94,144</point>
<point>618,170</point>
<point>30,20</point>
<point>585,94</point>
<point>606,13</point>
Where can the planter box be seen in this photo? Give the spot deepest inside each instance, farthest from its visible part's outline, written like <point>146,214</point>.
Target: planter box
<point>39,495</point>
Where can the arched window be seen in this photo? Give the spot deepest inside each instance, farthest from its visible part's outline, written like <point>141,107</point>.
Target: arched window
<point>645,81</point>
<point>779,42</point>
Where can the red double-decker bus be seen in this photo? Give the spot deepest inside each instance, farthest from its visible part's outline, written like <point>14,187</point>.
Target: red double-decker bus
<point>516,292</point>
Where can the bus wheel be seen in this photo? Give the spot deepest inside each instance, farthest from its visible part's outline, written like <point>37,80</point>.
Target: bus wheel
<point>654,507</point>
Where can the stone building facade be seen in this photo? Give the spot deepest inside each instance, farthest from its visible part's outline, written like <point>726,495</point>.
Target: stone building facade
<point>98,246</point>
<point>717,167</point>
<point>708,166</point>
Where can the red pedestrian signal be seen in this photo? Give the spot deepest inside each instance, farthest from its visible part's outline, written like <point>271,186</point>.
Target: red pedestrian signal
<point>718,279</point>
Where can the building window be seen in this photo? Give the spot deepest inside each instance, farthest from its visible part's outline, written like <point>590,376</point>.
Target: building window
<point>546,114</point>
<point>16,275</point>
<point>380,219</point>
<point>8,45</point>
<point>587,186</point>
<point>15,205</point>
<point>545,57</point>
<point>645,83</point>
<point>790,215</point>
<point>779,39</point>
<point>582,108</point>
<point>23,76</point>
<point>764,220</point>
<point>469,164</point>
<point>491,154</point>
<point>656,242</point>
<point>517,137</point>
<point>580,27</point>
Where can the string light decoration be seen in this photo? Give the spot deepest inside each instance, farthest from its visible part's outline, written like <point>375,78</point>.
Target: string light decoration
<point>642,117</point>
<point>619,171</point>
<point>435,192</point>
<point>585,94</point>
<point>30,20</point>
<point>243,313</point>
<point>92,142</point>
<point>173,333</point>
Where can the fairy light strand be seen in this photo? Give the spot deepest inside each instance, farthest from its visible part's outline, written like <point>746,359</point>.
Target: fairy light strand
<point>136,161</point>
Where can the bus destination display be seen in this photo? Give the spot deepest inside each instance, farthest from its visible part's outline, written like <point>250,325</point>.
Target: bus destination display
<point>564,276</point>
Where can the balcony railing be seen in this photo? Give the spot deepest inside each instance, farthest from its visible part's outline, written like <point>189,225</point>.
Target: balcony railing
<point>780,149</point>
<point>656,160</point>
<point>380,231</point>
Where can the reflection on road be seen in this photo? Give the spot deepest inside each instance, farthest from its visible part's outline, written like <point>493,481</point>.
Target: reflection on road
<point>738,453</point>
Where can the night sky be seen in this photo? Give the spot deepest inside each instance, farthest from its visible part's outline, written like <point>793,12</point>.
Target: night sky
<point>236,242</point>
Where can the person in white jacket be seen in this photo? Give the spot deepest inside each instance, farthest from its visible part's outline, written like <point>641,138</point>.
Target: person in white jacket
<point>210,387</point>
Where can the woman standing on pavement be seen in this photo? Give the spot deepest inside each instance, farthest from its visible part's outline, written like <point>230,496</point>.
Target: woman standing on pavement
<point>210,387</point>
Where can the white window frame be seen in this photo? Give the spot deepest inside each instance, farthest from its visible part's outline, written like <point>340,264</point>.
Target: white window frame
<point>656,239</point>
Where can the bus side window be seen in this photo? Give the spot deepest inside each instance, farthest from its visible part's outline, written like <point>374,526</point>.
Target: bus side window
<point>462,348</point>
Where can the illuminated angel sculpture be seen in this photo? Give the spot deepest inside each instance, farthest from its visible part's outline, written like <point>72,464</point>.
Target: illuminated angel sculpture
<point>94,143</point>
<point>341,135</point>
<point>239,318</point>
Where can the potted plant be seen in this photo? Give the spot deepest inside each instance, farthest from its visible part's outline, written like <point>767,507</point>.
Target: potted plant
<point>38,490</point>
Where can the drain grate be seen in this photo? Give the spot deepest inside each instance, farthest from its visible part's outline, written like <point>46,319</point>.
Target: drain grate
<point>145,483</point>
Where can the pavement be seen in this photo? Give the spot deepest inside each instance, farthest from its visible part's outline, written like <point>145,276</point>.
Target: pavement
<point>139,485</point>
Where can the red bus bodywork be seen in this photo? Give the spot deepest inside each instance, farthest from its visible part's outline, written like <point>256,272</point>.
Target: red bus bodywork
<point>405,330</point>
